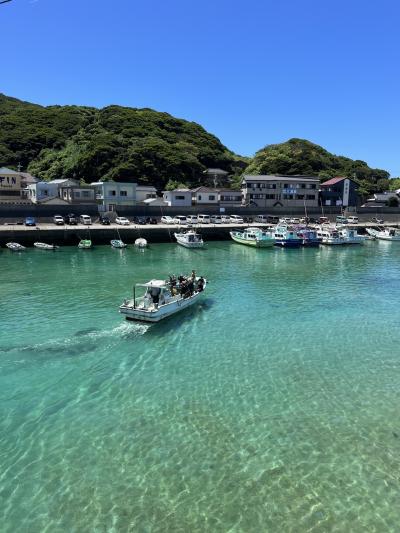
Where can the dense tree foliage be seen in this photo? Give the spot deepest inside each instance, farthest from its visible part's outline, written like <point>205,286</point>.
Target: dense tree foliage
<point>146,146</point>
<point>298,156</point>
<point>116,142</point>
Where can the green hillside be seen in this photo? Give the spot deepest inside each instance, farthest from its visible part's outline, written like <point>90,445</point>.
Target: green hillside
<point>298,156</point>
<point>147,146</point>
<point>115,142</point>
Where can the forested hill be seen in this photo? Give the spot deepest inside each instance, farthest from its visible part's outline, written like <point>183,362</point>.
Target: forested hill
<point>147,146</point>
<point>298,156</point>
<point>115,142</point>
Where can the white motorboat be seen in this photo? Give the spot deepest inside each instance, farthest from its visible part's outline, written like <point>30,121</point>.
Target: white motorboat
<point>385,234</point>
<point>162,299</point>
<point>117,243</point>
<point>141,243</point>
<point>351,236</point>
<point>189,239</point>
<point>15,246</point>
<point>330,236</point>
<point>44,246</point>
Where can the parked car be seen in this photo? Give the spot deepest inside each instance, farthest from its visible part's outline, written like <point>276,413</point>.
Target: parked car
<point>151,220</point>
<point>105,221</point>
<point>236,219</point>
<point>180,219</point>
<point>123,221</point>
<point>341,220</point>
<point>248,220</point>
<point>285,220</point>
<point>272,219</point>
<point>204,219</point>
<point>85,219</point>
<point>30,221</point>
<point>140,220</point>
<point>58,220</point>
<point>377,220</point>
<point>216,219</point>
<point>225,219</point>
<point>352,220</point>
<point>295,220</point>
<point>71,219</point>
<point>167,220</point>
<point>311,220</point>
<point>261,218</point>
<point>192,219</point>
<point>323,220</point>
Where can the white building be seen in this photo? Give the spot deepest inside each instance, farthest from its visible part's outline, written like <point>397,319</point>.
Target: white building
<point>112,194</point>
<point>144,192</point>
<point>282,191</point>
<point>205,196</point>
<point>42,191</point>
<point>229,197</point>
<point>178,198</point>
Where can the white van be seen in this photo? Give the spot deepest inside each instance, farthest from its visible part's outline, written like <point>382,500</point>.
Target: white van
<point>352,220</point>
<point>204,219</point>
<point>180,219</point>
<point>261,218</point>
<point>85,219</point>
<point>236,219</point>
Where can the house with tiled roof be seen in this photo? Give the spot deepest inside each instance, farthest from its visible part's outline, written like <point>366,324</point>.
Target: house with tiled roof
<point>339,191</point>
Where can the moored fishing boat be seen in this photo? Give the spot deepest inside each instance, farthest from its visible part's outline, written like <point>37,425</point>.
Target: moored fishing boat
<point>330,236</point>
<point>309,237</point>
<point>117,243</point>
<point>85,244</point>
<point>189,239</point>
<point>45,246</point>
<point>141,243</point>
<point>253,237</point>
<point>385,234</point>
<point>287,237</point>
<point>162,299</point>
<point>351,236</point>
<point>15,246</point>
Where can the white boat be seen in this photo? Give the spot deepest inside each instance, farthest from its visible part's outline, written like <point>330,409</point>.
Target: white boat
<point>330,236</point>
<point>351,236</point>
<point>161,299</point>
<point>117,243</point>
<point>44,246</point>
<point>385,234</point>
<point>253,237</point>
<point>189,239</point>
<point>141,243</point>
<point>15,247</point>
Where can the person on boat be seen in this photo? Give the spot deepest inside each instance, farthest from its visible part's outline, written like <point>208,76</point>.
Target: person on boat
<point>193,275</point>
<point>190,288</point>
<point>200,284</point>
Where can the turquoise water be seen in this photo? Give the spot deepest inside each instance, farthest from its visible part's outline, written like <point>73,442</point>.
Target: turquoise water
<point>272,405</point>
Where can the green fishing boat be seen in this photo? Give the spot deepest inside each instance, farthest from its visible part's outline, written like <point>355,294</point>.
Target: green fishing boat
<point>253,237</point>
<point>85,244</point>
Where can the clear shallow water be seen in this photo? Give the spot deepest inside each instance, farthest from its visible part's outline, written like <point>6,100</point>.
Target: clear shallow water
<point>271,406</point>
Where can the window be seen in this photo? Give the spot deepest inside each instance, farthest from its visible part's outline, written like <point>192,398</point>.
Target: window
<point>9,193</point>
<point>270,196</point>
<point>302,185</point>
<point>300,196</point>
<point>85,194</point>
<point>123,193</point>
<point>211,197</point>
<point>113,193</point>
<point>286,185</point>
<point>288,196</point>
<point>77,194</point>
<point>179,197</point>
<point>313,186</point>
<point>310,196</point>
<point>199,196</point>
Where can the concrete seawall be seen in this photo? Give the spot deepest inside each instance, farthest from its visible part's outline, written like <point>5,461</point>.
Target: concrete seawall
<point>71,235</point>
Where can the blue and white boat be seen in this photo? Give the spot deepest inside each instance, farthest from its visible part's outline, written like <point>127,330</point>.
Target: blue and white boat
<point>309,237</point>
<point>286,237</point>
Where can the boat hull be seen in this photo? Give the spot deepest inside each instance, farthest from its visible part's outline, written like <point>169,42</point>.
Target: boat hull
<point>254,243</point>
<point>163,311</point>
<point>288,243</point>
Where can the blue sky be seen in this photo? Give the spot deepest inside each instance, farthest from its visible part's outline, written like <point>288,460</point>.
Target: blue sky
<point>252,72</point>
